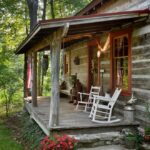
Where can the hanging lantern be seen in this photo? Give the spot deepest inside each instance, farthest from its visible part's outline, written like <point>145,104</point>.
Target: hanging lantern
<point>45,64</point>
<point>98,53</point>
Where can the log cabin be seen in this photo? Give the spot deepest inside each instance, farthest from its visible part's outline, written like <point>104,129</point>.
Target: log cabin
<point>110,38</point>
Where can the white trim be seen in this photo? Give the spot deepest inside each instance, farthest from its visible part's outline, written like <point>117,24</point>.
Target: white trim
<point>141,76</point>
<point>141,61</point>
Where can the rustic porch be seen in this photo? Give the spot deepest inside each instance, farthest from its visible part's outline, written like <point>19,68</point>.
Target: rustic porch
<point>70,121</point>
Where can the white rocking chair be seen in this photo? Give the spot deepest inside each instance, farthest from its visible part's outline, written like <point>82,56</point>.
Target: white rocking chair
<point>101,111</point>
<point>87,104</point>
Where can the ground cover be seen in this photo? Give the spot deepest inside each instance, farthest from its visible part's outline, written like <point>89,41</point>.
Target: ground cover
<point>7,142</point>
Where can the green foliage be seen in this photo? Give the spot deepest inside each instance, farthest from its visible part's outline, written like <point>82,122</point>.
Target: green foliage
<point>6,141</point>
<point>12,29</point>
<point>14,25</point>
<point>31,132</point>
<point>133,138</point>
<point>64,8</point>
<point>10,83</point>
<point>47,84</point>
<point>147,131</point>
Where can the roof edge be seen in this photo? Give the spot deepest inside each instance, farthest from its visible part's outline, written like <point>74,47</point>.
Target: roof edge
<point>46,24</point>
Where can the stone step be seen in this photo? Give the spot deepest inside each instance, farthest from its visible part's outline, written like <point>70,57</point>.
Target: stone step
<point>106,147</point>
<point>95,128</point>
<point>145,146</point>
<point>99,139</point>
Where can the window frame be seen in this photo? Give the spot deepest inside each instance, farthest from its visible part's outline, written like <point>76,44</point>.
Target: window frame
<point>114,35</point>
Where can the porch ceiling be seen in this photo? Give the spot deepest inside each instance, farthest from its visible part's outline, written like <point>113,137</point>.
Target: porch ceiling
<point>81,27</point>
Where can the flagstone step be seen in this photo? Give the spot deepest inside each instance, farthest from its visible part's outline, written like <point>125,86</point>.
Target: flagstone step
<point>99,139</point>
<point>106,147</point>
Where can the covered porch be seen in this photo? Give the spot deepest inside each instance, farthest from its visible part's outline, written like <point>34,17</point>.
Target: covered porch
<point>71,122</point>
<point>57,115</point>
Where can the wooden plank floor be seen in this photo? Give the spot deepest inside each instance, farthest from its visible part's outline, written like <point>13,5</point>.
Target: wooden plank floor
<point>69,117</point>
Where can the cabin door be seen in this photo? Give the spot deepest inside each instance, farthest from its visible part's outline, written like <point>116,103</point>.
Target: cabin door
<point>93,67</point>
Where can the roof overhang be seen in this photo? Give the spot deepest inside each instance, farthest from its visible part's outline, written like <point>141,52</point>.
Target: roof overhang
<point>82,25</point>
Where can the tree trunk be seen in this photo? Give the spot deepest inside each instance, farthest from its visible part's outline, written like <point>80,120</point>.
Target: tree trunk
<point>40,74</point>
<point>55,67</point>
<point>44,9</point>
<point>52,8</point>
<point>26,24</point>
<point>33,7</point>
<point>60,9</point>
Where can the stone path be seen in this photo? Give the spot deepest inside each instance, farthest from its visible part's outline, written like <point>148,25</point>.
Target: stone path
<point>108,147</point>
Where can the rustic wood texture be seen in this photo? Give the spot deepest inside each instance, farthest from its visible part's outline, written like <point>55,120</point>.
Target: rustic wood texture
<point>140,57</point>
<point>55,43</point>
<point>119,5</point>
<point>79,50</point>
<point>25,75</point>
<point>69,118</point>
<point>39,75</point>
<point>34,79</point>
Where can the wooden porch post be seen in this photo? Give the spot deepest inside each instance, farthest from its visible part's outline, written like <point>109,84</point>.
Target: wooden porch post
<point>55,67</point>
<point>63,64</point>
<point>39,91</point>
<point>25,75</point>
<point>34,79</point>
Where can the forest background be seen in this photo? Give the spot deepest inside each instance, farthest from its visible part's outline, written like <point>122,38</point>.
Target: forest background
<point>17,18</point>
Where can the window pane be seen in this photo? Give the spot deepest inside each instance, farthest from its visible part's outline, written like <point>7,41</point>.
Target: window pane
<point>121,62</point>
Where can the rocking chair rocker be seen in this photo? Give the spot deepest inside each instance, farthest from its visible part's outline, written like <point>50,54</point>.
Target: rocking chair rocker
<point>102,108</point>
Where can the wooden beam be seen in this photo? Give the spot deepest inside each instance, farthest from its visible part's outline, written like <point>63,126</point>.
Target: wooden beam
<point>39,75</point>
<point>41,44</point>
<point>34,79</point>
<point>55,43</point>
<point>25,75</point>
<point>75,37</point>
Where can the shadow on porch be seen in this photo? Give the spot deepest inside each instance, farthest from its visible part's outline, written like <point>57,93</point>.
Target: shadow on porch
<point>70,121</point>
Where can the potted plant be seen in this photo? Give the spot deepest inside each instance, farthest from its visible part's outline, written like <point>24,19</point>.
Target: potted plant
<point>132,139</point>
<point>147,134</point>
<point>147,129</point>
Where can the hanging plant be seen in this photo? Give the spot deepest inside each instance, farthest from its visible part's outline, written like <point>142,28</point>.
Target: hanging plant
<point>45,64</point>
<point>76,60</point>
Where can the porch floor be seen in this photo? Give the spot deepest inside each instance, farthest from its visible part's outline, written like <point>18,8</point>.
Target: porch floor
<point>69,118</point>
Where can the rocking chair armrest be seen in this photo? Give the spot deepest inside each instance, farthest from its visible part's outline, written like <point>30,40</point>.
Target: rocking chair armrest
<point>83,93</point>
<point>102,98</point>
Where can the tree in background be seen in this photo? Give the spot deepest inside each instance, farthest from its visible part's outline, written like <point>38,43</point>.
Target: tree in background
<point>33,8</point>
<point>12,29</point>
<point>14,26</point>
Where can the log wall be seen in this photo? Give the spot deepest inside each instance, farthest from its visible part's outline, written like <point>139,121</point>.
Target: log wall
<point>140,58</point>
<point>78,50</point>
<point>123,5</point>
<point>141,70</point>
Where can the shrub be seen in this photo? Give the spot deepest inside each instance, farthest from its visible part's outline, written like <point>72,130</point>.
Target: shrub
<point>57,142</point>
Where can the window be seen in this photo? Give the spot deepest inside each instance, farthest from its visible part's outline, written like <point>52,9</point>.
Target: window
<point>121,61</point>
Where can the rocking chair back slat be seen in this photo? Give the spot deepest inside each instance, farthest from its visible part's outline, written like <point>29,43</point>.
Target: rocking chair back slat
<point>104,110</point>
<point>95,90</point>
<point>114,97</point>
